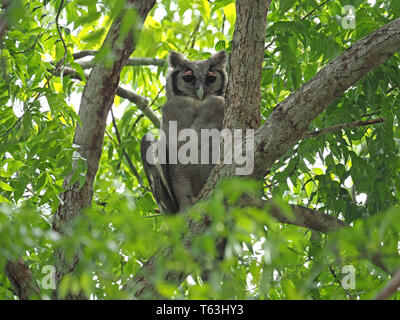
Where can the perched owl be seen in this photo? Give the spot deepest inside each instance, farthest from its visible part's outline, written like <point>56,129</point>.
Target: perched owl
<point>195,100</point>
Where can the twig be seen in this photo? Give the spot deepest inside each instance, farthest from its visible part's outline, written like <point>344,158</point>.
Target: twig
<point>153,216</point>
<point>59,32</point>
<point>390,288</point>
<point>334,274</point>
<point>131,62</point>
<point>312,134</point>
<point>312,11</point>
<point>84,53</point>
<point>139,101</point>
<point>31,48</point>
<point>136,61</point>
<point>156,97</point>
<point>192,37</point>
<point>128,159</point>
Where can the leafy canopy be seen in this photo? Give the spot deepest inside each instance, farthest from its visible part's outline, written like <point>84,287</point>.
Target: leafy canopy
<point>352,174</point>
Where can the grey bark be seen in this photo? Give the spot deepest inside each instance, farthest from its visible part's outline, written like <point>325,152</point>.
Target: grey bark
<point>21,279</point>
<point>243,93</point>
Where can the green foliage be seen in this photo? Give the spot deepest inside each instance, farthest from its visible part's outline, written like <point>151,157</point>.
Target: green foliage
<point>352,174</point>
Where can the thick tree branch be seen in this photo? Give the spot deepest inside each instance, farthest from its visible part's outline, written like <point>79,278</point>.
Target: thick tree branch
<point>21,279</point>
<point>243,93</point>
<point>291,118</point>
<point>131,62</point>
<point>140,101</point>
<point>300,216</point>
<point>390,288</point>
<point>97,99</point>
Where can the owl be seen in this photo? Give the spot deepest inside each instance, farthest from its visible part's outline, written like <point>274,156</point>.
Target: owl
<point>195,100</point>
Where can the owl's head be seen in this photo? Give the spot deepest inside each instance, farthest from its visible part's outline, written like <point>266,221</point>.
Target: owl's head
<point>197,79</point>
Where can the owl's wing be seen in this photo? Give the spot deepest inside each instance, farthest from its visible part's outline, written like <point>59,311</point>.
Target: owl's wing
<point>158,176</point>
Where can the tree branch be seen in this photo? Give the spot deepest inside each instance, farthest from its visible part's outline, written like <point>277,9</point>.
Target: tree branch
<point>313,134</point>
<point>390,288</point>
<point>301,216</point>
<point>21,279</point>
<point>130,62</point>
<point>141,286</point>
<point>142,104</point>
<point>140,101</point>
<point>289,120</point>
<point>243,95</point>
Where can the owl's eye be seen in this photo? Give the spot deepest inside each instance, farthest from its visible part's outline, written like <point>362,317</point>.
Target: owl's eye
<point>210,79</point>
<point>188,77</point>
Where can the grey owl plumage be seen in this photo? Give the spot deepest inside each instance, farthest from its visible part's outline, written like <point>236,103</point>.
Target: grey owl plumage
<point>195,99</point>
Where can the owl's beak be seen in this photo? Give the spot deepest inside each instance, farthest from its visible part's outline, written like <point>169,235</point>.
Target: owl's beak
<point>200,91</point>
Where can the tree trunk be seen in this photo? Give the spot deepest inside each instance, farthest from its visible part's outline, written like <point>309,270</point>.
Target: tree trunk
<point>243,94</point>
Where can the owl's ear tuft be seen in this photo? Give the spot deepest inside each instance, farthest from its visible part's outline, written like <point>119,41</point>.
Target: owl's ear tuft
<point>219,59</point>
<point>176,59</point>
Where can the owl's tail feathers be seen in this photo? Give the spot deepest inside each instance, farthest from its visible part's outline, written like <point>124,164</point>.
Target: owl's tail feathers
<point>157,175</point>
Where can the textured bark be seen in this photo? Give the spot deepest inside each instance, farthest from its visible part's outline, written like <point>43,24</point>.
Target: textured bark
<point>97,99</point>
<point>131,62</point>
<point>21,279</point>
<point>243,91</point>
